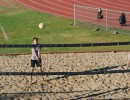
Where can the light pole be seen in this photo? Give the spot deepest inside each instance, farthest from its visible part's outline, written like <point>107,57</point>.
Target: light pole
<point>74,12</point>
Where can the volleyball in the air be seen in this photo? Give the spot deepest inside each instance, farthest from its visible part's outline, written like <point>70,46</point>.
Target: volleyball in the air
<point>41,26</point>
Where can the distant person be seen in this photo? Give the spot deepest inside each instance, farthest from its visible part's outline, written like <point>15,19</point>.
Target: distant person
<point>99,14</point>
<point>99,17</point>
<point>122,19</point>
<point>35,57</point>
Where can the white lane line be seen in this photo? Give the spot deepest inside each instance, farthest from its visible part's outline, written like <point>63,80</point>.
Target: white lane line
<point>93,5</point>
<point>124,6</point>
<point>66,2</point>
<point>57,4</point>
<point>49,7</point>
<point>109,5</point>
<point>128,3</point>
<point>4,33</point>
<point>28,6</point>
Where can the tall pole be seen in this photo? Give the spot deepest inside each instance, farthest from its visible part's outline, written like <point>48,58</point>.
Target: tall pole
<point>74,13</point>
<point>106,20</point>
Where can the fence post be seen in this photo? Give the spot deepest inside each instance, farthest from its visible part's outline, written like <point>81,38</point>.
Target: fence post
<point>74,14</point>
<point>106,20</point>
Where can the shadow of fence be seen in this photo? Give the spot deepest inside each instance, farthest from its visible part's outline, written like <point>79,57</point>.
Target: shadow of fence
<point>114,91</point>
<point>91,72</point>
<point>83,94</point>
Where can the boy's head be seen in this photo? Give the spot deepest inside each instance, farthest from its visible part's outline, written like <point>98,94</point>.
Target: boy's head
<point>35,40</point>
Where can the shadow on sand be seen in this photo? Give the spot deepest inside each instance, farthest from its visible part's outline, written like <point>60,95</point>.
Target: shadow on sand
<point>106,70</point>
<point>85,94</point>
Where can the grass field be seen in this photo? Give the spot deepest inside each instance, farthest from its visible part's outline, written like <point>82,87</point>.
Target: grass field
<point>21,25</point>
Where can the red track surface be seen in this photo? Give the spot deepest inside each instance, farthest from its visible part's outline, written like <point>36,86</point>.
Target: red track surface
<point>65,8</point>
<point>4,3</point>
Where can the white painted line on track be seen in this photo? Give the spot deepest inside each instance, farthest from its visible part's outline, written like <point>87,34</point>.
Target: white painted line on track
<point>49,7</point>
<point>28,6</point>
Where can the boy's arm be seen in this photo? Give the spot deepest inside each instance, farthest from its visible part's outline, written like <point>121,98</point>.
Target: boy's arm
<point>39,55</point>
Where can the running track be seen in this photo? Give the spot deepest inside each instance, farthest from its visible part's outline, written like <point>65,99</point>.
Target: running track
<point>4,3</point>
<point>65,8</point>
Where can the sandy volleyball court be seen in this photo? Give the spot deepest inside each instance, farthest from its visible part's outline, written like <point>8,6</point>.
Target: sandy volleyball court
<point>66,87</point>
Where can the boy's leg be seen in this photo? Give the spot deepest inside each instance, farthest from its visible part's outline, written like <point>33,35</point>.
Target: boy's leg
<point>32,68</point>
<point>31,74</point>
<point>40,65</point>
<point>42,72</point>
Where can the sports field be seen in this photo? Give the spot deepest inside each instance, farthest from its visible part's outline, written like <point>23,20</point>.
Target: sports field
<point>21,25</point>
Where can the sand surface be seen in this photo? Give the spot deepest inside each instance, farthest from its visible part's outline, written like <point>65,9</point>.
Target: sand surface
<point>66,87</point>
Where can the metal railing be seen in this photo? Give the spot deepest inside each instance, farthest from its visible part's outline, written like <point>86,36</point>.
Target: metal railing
<point>86,14</point>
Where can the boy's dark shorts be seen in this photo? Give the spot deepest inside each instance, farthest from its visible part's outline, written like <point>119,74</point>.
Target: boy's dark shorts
<point>37,63</point>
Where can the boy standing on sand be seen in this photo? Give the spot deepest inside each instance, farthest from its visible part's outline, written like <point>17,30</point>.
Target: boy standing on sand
<point>35,57</point>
